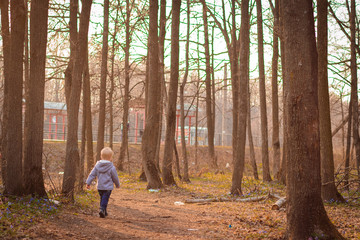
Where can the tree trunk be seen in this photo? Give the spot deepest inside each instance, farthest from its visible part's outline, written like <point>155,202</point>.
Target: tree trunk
<point>125,138</point>
<point>104,60</point>
<point>354,86</point>
<point>197,100</point>
<point>209,113</point>
<point>149,140</point>
<point>306,215</point>
<point>5,34</point>
<point>87,112</point>
<point>182,107</point>
<point>13,102</point>
<point>224,110</point>
<point>33,149</point>
<point>282,176</point>
<point>239,162</point>
<point>81,179</point>
<point>251,142</point>
<point>328,189</point>
<point>274,94</point>
<point>177,162</point>
<point>72,151</point>
<point>26,60</point>
<point>167,174</point>
<point>74,5</point>
<point>348,148</point>
<point>262,90</point>
<point>162,33</point>
<point>112,83</point>
<point>234,80</point>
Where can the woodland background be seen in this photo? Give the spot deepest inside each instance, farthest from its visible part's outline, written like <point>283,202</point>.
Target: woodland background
<point>277,76</point>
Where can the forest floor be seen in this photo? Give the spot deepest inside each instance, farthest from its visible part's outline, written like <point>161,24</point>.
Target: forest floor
<point>138,213</point>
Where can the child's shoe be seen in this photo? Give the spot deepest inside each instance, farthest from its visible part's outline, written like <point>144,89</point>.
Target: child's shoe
<point>106,213</point>
<point>102,213</point>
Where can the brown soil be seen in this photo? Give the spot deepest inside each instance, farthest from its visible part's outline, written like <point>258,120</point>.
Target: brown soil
<point>135,213</point>
<point>140,214</point>
<point>146,215</point>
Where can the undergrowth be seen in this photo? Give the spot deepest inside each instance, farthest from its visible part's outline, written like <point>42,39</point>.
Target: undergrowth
<point>19,213</point>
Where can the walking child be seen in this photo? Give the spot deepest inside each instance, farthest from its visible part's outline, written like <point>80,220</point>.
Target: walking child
<point>107,176</point>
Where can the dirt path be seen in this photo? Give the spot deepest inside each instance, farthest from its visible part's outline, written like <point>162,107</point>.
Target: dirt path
<point>140,214</point>
<point>145,215</point>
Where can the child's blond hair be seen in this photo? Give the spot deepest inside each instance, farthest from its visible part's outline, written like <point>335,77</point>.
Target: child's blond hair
<point>106,153</point>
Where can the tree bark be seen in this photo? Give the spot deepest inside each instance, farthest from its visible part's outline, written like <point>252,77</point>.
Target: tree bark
<point>282,174</point>
<point>5,34</point>
<point>162,33</point>
<point>33,149</point>
<point>239,162</point>
<point>104,60</point>
<point>72,151</point>
<point>87,112</point>
<point>167,174</point>
<point>306,215</point>
<point>26,61</point>
<point>182,107</point>
<point>234,65</point>
<point>348,148</point>
<point>354,86</point>
<point>197,101</point>
<point>74,5</point>
<point>149,140</point>
<point>251,142</point>
<point>209,113</point>
<point>274,94</point>
<point>262,90</point>
<point>81,179</point>
<point>13,102</point>
<point>328,189</point>
<point>125,137</point>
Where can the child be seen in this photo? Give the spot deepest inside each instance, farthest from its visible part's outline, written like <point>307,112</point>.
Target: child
<point>106,175</point>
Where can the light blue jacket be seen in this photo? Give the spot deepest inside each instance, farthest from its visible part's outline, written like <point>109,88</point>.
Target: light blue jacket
<point>106,173</point>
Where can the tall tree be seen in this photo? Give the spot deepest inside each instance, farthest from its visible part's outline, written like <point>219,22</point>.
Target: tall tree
<point>151,131</point>
<point>234,65</point>
<point>162,33</point>
<point>124,142</point>
<point>282,174</point>
<point>168,177</point>
<point>274,93</point>
<point>182,90</point>
<point>306,215</point>
<point>348,148</point>
<point>73,29</point>
<point>262,90</point>
<point>209,112</point>
<point>239,161</point>
<point>231,44</point>
<point>33,177</point>
<point>5,34</point>
<point>354,85</point>
<point>104,60</point>
<point>72,151</point>
<point>87,114</point>
<point>112,76</point>
<point>13,101</point>
<point>328,189</point>
<point>251,142</point>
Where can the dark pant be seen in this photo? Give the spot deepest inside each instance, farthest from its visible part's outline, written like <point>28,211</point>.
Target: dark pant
<point>104,199</point>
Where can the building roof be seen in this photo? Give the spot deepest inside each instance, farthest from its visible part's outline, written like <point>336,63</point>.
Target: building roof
<point>55,105</point>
